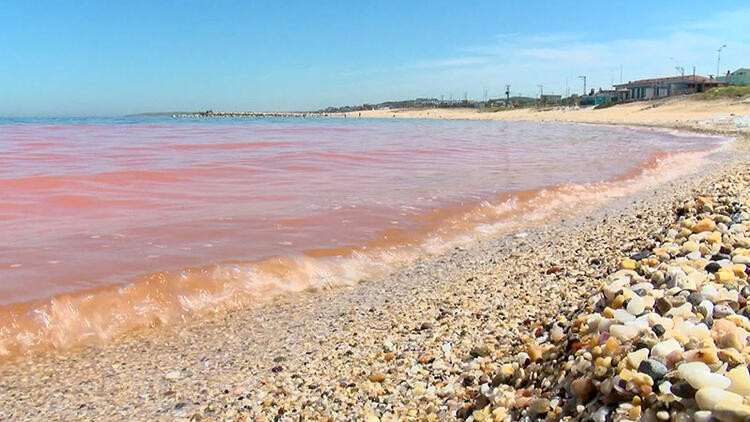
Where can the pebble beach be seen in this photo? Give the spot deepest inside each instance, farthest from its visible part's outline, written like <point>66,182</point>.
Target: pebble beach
<point>635,311</point>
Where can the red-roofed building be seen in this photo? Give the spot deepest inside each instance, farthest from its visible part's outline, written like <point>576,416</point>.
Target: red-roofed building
<point>646,89</point>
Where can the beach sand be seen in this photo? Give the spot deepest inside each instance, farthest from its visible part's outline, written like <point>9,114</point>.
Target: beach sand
<point>679,112</point>
<point>416,345</point>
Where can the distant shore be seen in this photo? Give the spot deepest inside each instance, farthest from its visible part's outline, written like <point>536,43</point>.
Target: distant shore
<point>429,342</point>
<point>690,113</point>
<point>718,116</point>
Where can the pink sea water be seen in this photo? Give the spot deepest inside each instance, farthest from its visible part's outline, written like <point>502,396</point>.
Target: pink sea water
<point>111,225</point>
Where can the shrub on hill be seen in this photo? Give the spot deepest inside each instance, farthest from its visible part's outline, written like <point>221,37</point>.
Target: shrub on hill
<point>725,92</point>
<point>607,104</point>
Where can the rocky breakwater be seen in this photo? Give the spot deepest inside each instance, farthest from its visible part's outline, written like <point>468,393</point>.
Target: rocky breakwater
<point>664,339</point>
<point>235,114</point>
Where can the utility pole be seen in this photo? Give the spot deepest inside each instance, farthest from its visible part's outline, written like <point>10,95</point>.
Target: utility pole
<point>718,59</point>
<point>507,95</point>
<point>567,92</point>
<point>620,73</point>
<point>485,95</point>
<point>584,83</point>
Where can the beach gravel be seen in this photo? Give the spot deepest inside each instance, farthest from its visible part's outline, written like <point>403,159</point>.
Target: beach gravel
<point>625,358</point>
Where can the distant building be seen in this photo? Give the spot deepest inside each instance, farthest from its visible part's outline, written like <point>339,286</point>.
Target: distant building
<point>550,99</point>
<point>606,96</point>
<point>600,97</point>
<point>646,89</point>
<point>740,76</point>
<point>522,101</point>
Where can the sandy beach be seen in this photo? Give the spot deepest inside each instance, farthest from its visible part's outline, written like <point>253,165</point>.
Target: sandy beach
<point>678,112</point>
<point>456,337</point>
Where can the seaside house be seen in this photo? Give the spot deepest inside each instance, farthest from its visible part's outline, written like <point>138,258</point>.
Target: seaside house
<point>550,99</point>
<point>646,89</point>
<point>606,96</point>
<point>740,76</point>
<point>600,97</point>
<point>521,101</point>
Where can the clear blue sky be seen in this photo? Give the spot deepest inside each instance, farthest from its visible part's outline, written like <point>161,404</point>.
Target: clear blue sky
<point>112,58</point>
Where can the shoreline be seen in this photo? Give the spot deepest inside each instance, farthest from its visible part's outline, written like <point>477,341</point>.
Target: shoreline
<point>205,366</point>
<point>722,116</point>
<point>719,117</point>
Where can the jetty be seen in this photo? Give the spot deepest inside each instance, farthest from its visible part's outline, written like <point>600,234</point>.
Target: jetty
<point>234,114</point>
